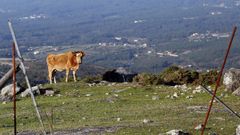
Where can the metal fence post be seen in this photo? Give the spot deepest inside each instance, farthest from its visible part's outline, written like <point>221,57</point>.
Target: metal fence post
<point>219,79</point>
<point>14,89</point>
<point>26,77</point>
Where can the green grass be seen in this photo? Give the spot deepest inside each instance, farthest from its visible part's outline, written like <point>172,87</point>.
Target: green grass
<point>74,110</point>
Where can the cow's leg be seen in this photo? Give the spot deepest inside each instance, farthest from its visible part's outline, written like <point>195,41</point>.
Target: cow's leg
<point>54,76</point>
<point>50,74</point>
<point>67,73</point>
<point>54,79</point>
<point>74,76</point>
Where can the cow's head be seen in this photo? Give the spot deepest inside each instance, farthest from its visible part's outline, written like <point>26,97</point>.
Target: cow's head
<point>79,56</point>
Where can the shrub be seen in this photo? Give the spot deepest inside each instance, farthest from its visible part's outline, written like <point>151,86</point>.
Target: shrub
<point>177,76</point>
<point>147,79</point>
<point>208,78</point>
<point>92,79</point>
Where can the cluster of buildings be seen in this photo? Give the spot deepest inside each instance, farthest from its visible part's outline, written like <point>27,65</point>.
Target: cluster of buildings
<point>33,17</point>
<point>196,37</point>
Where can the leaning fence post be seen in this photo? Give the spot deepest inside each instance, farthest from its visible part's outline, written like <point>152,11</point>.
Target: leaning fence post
<point>8,76</point>
<point>218,80</point>
<point>14,89</point>
<point>26,77</point>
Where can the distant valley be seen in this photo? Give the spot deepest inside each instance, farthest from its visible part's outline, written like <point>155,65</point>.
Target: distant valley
<point>140,35</point>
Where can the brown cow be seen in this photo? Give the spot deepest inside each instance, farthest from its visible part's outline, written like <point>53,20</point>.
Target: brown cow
<point>65,61</point>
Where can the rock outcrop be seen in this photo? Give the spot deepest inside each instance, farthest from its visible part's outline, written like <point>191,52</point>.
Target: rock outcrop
<point>231,79</point>
<point>237,92</point>
<point>238,130</point>
<point>7,92</point>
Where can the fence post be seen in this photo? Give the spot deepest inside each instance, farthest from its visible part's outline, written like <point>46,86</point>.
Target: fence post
<point>219,79</point>
<point>26,77</point>
<point>8,76</point>
<point>14,89</point>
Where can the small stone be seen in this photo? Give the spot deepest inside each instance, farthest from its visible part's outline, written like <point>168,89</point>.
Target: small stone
<point>145,121</point>
<point>184,88</point>
<point>176,86</point>
<point>214,101</point>
<point>168,96</point>
<point>119,119</point>
<point>175,95</point>
<point>63,103</point>
<point>116,95</point>
<point>49,93</point>
<point>118,91</point>
<point>4,102</point>
<point>155,97</point>
<point>198,89</point>
<point>222,95</point>
<point>112,84</point>
<point>189,97</point>
<point>84,118</point>
<point>106,93</point>
<point>91,84</point>
<point>198,127</point>
<point>111,99</point>
<point>88,95</point>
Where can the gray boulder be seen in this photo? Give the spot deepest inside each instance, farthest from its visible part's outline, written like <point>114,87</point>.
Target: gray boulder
<point>237,92</point>
<point>231,79</point>
<point>5,99</point>
<point>49,93</point>
<point>238,130</point>
<point>8,90</point>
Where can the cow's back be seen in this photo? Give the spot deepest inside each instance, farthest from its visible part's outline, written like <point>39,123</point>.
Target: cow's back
<point>57,61</point>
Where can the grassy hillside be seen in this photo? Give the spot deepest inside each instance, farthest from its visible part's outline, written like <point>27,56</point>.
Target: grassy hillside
<point>120,109</point>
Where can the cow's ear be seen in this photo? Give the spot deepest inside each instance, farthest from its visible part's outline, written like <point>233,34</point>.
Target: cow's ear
<point>83,54</point>
<point>75,52</point>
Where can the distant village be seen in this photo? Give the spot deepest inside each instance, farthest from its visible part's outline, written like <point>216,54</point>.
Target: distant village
<point>197,37</point>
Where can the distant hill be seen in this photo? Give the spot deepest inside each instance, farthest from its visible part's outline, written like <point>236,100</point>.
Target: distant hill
<point>136,34</point>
